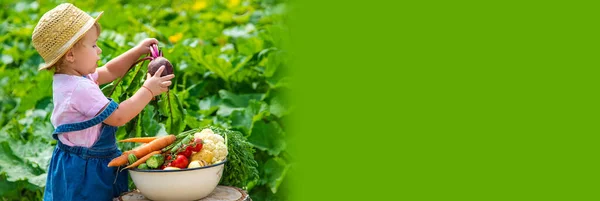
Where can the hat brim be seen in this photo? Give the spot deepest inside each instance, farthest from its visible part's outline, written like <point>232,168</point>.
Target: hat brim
<point>73,41</point>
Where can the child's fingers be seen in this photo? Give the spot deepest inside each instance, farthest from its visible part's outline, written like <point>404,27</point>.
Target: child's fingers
<point>149,42</point>
<point>152,41</point>
<point>164,88</point>
<point>166,84</point>
<point>167,77</point>
<point>159,71</point>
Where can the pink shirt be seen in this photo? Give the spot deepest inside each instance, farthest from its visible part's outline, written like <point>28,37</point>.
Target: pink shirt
<point>77,99</point>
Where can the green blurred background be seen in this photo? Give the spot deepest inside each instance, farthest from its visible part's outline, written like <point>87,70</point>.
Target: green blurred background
<point>230,63</point>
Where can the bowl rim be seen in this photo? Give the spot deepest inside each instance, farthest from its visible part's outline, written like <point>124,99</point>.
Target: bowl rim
<point>180,170</point>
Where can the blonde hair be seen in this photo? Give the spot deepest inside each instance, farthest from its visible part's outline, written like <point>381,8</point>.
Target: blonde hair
<point>62,62</point>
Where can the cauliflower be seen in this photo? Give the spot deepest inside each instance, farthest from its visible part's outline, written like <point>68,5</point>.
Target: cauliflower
<point>208,134</point>
<point>213,149</point>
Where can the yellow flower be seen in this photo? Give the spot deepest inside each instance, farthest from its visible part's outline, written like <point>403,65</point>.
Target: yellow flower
<point>176,37</point>
<point>199,5</point>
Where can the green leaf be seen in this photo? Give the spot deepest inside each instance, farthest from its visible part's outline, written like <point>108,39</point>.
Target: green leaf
<point>209,105</point>
<point>192,122</point>
<point>181,111</point>
<point>133,80</point>
<point>117,93</point>
<point>268,137</point>
<point>241,168</point>
<point>36,153</point>
<point>19,190</point>
<point>225,110</point>
<point>274,172</point>
<point>212,62</point>
<point>241,119</point>
<point>151,126</point>
<point>38,89</point>
<point>225,17</point>
<point>278,106</point>
<point>7,189</point>
<point>275,61</point>
<point>9,162</point>
<point>244,119</point>
<point>278,82</point>
<point>25,161</point>
<point>138,125</point>
<point>112,38</point>
<point>237,101</point>
<point>239,63</point>
<point>122,134</point>
<point>107,88</point>
<point>240,19</point>
<point>249,46</point>
<point>175,122</point>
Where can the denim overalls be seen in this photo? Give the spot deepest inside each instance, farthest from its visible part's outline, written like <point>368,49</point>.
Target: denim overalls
<point>79,173</point>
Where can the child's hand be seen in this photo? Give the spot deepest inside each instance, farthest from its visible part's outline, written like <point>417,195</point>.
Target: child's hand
<point>144,46</point>
<point>157,84</point>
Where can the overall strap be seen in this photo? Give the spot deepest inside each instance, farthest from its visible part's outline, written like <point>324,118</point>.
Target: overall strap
<point>112,106</point>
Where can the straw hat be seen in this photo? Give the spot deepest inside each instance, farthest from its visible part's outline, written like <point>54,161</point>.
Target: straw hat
<point>58,30</point>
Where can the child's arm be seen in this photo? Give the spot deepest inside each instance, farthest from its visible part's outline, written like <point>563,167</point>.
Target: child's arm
<point>128,109</point>
<point>118,66</point>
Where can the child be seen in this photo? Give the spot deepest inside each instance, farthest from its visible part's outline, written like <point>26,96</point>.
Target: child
<point>85,120</point>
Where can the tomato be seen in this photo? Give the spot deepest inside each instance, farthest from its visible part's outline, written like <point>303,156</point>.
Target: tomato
<point>180,161</point>
<point>187,152</point>
<point>163,166</point>
<point>198,146</point>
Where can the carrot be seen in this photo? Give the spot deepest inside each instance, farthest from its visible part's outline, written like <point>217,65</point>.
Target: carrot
<point>155,145</point>
<point>139,139</point>
<point>142,160</point>
<point>136,148</point>
<point>131,151</point>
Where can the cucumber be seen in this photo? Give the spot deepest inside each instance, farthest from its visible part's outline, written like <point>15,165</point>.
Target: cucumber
<point>131,158</point>
<point>155,161</point>
<point>143,166</point>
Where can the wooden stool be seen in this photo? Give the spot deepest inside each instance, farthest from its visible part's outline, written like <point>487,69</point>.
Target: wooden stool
<point>221,193</point>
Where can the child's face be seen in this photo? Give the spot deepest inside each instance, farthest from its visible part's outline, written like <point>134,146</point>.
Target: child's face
<point>87,53</point>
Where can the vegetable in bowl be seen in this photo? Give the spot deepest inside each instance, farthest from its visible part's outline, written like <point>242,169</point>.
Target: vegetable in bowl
<point>198,148</point>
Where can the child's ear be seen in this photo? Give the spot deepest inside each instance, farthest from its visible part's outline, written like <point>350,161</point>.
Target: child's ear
<point>69,56</point>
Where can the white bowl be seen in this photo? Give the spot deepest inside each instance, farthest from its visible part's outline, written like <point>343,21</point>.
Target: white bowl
<point>178,185</point>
